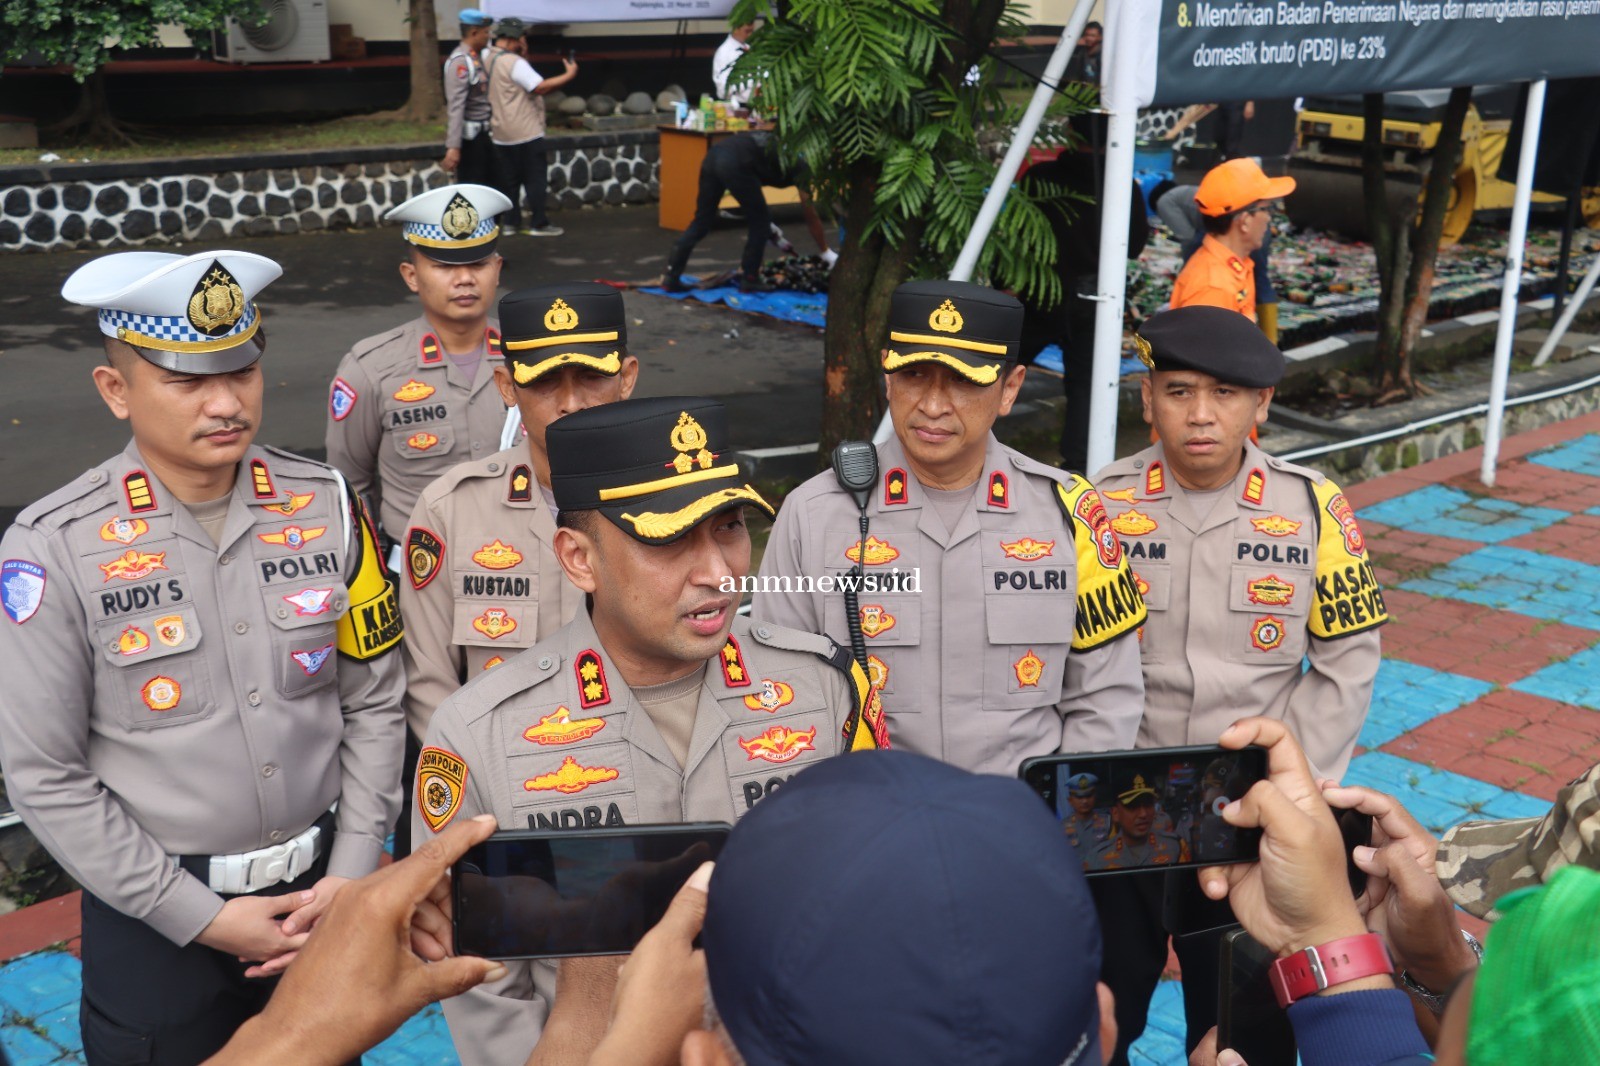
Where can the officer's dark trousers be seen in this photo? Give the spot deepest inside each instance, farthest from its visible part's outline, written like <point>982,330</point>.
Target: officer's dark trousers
<point>1069,324</point>
<point>522,167</point>
<point>477,166</point>
<point>146,1000</point>
<point>719,174</point>
<point>1134,954</point>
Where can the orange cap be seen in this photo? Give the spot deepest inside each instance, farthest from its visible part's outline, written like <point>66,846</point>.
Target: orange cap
<point>1237,184</point>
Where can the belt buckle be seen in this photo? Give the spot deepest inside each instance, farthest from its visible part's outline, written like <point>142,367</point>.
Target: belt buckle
<point>280,863</point>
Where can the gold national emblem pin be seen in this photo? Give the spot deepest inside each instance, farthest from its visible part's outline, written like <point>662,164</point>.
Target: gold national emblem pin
<point>688,436</point>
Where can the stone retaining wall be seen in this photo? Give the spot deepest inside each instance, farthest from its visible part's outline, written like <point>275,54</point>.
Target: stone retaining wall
<point>102,205</point>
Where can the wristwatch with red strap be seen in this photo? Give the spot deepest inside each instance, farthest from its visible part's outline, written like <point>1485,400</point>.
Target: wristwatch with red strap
<point>1307,972</point>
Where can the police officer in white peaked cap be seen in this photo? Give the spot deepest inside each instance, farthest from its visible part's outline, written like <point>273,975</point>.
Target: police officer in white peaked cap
<point>208,733</point>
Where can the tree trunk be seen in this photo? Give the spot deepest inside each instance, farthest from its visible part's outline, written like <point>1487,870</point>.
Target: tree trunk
<point>851,402</point>
<point>427,88</point>
<point>91,118</point>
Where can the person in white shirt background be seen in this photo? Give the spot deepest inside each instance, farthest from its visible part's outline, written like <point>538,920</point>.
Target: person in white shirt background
<point>728,52</point>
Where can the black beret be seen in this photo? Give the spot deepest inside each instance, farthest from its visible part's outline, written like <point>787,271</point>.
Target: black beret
<point>972,329</point>
<point>1212,340</point>
<point>574,322</point>
<point>655,468</point>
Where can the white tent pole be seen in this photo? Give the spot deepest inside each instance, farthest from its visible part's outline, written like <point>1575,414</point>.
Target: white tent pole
<point>1116,203</point>
<point>1515,246</point>
<point>1021,141</point>
<point>1569,312</point>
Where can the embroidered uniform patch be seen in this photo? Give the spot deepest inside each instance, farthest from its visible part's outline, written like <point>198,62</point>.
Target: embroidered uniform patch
<point>1276,526</point>
<point>136,486</point>
<point>773,694</point>
<point>1133,523</point>
<point>414,391</point>
<point>875,620</point>
<point>309,601</point>
<point>592,689</point>
<point>133,641</point>
<point>21,589</point>
<point>1255,486</point>
<point>293,537</point>
<point>778,744</point>
<point>341,400</point>
<point>999,490</point>
<point>493,661</point>
<point>261,480</point>
<point>570,778</point>
<point>734,674</point>
<point>519,486</point>
<point>497,556</point>
<point>895,488</point>
<point>494,623</point>
<point>124,530</point>
<point>559,727</point>
<point>441,779</point>
<point>292,506</point>
<point>1029,669</point>
<point>421,441</point>
<point>1266,633</point>
<point>170,630</point>
<point>1270,591</point>
<point>131,565</point>
<point>312,662</point>
<point>161,693</point>
<point>424,550</point>
<point>878,552</point>
<point>1027,549</point>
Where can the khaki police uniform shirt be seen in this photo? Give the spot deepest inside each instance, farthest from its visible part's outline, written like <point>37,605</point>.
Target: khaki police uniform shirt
<point>466,94</point>
<point>1274,575</point>
<point>480,580</point>
<point>554,739</point>
<point>999,640</point>
<point>173,696</point>
<point>400,414</point>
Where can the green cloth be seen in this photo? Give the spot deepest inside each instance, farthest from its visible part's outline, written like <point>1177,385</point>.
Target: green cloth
<point>1537,995</point>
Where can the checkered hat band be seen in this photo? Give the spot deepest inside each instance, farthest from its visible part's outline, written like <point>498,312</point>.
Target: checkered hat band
<point>427,233</point>
<point>175,328</point>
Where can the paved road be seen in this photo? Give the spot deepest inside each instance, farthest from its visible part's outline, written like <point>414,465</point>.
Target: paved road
<point>340,287</point>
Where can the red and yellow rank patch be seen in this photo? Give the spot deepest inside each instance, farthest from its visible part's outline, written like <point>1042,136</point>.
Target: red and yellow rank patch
<point>1155,480</point>
<point>494,623</point>
<point>999,490</point>
<point>734,672</point>
<point>1029,669</point>
<point>592,688</point>
<point>779,744</point>
<point>497,556</point>
<point>1027,549</point>
<point>1270,591</point>
<point>773,695</point>
<point>1255,486</point>
<point>441,779</point>
<point>1266,633</point>
<point>559,727</point>
<point>161,693</point>
<point>895,488</point>
<point>879,552</point>
<point>131,565</point>
<point>1133,523</point>
<point>875,620</point>
<point>414,391</point>
<point>124,530</point>
<point>570,778</point>
<point>136,486</point>
<point>261,480</point>
<point>1276,526</point>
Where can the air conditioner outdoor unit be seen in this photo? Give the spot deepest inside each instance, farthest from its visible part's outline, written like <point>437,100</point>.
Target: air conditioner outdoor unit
<point>294,31</point>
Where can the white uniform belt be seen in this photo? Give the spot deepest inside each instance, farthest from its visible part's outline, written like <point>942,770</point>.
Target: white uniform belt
<point>397,556</point>
<point>251,871</point>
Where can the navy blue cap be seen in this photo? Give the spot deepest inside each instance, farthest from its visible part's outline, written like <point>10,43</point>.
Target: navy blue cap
<point>884,907</point>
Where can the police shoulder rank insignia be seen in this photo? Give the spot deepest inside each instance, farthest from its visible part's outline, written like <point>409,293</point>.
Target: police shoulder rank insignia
<point>136,486</point>
<point>133,564</point>
<point>497,556</point>
<point>414,391</point>
<point>1266,633</point>
<point>21,589</point>
<point>559,727</point>
<point>261,480</point>
<point>1155,481</point>
<point>879,552</point>
<point>491,342</point>
<point>312,662</point>
<point>519,486</point>
<point>293,537</point>
<point>779,744</point>
<point>875,620</point>
<point>1276,526</point>
<point>170,630</point>
<point>592,688</point>
<point>161,693</point>
<point>1133,523</point>
<point>1255,486</point>
<point>1270,591</point>
<point>773,695</point>
<point>1027,549</point>
<point>296,503</point>
<point>308,602</point>
<point>570,778</point>
<point>999,490</point>
<point>424,550</point>
<point>216,303</point>
<point>430,353</point>
<point>895,490</point>
<point>441,779</point>
<point>421,441</point>
<point>1029,669</point>
<point>133,641</point>
<point>341,400</point>
<point>124,530</point>
<point>494,623</point>
<point>734,674</point>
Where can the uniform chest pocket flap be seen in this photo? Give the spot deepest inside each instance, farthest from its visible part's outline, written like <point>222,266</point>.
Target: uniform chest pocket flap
<point>303,645</point>
<point>1028,640</point>
<point>508,623</point>
<point>1155,584</point>
<point>159,677</point>
<point>421,440</point>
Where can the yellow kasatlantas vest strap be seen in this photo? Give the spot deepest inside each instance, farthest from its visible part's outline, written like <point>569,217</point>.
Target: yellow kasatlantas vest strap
<point>372,625</point>
<point>1108,603</point>
<point>1348,598</point>
<point>864,729</point>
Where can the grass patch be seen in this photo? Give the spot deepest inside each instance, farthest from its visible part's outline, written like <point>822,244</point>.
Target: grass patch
<point>173,143</point>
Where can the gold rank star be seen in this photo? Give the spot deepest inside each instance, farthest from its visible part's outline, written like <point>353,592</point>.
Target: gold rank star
<point>593,690</point>
<point>730,653</point>
<point>735,672</point>
<point>590,671</point>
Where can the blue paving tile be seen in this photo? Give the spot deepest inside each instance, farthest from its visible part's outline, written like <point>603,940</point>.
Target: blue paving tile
<point>424,1040</point>
<point>1162,1043</point>
<point>1438,798</point>
<point>1511,579</point>
<point>1575,681</point>
<point>1581,456</point>
<point>1447,512</point>
<point>60,1026</point>
<point>25,1047</point>
<point>1405,696</point>
<point>40,982</point>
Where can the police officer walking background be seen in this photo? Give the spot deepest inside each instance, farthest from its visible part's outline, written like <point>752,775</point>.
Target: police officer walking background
<point>654,705</point>
<point>468,151</point>
<point>202,627</point>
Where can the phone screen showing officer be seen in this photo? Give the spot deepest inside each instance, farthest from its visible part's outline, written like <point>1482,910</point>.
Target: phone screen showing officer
<point>522,895</point>
<point>1160,808</point>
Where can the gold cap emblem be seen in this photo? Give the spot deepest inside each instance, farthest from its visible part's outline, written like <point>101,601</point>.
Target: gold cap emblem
<point>689,436</point>
<point>945,318</point>
<point>217,302</point>
<point>1145,356</point>
<point>560,317</point>
<point>460,218</point>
